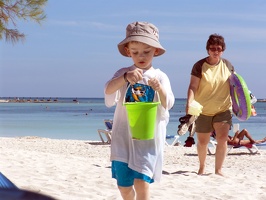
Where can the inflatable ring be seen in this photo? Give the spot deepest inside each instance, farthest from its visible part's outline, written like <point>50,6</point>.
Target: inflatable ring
<point>240,96</point>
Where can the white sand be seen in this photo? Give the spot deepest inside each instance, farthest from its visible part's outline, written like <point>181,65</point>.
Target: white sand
<point>69,169</point>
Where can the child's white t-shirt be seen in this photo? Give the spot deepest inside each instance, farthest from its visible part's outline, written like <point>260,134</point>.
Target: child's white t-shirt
<point>143,156</point>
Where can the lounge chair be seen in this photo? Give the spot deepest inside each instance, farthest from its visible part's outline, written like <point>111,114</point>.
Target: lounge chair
<point>175,142</point>
<point>105,134</point>
<point>252,148</point>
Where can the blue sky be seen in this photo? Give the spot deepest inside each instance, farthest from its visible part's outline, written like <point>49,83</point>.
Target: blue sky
<point>74,52</point>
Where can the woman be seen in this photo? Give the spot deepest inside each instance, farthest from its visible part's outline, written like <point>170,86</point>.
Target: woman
<point>209,86</point>
<point>238,139</point>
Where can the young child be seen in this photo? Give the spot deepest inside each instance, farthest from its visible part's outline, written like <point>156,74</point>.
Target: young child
<point>137,163</point>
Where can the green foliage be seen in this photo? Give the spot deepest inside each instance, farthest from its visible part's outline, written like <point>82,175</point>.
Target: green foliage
<point>13,10</point>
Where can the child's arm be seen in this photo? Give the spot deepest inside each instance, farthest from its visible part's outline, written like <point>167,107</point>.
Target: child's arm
<point>116,83</point>
<point>126,76</point>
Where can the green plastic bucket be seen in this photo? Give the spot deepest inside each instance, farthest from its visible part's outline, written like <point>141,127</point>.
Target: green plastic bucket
<point>142,119</point>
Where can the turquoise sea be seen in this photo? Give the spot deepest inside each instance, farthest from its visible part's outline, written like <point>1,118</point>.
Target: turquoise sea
<point>79,119</point>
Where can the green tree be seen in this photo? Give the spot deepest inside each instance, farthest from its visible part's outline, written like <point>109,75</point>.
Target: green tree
<point>13,10</point>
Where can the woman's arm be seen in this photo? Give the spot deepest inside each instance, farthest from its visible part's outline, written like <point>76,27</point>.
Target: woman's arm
<point>193,87</point>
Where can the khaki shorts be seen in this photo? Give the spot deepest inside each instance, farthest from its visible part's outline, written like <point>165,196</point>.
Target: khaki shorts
<point>204,124</point>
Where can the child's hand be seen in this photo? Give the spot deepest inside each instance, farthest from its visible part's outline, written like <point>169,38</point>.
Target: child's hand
<point>155,84</point>
<point>134,76</point>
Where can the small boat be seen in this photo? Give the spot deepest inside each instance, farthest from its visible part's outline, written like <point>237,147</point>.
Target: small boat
<point>75,101</point>
<point>4,101</point>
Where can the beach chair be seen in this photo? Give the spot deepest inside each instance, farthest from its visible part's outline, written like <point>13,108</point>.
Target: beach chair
<point>252,148</point>
<point>176,141</point>
<point>105,134</point>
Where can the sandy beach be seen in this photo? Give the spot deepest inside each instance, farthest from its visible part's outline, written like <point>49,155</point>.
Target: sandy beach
<point>74,169</point>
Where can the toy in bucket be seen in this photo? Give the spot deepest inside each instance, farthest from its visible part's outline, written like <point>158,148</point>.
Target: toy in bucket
<point>141,111</point>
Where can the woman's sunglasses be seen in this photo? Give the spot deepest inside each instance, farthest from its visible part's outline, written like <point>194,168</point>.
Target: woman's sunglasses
<point>216,49</point>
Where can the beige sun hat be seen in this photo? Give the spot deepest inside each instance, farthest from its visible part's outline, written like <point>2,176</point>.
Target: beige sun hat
<point>141,32</point>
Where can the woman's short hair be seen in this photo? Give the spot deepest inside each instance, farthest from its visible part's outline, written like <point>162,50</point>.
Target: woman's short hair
<point>215,39</point>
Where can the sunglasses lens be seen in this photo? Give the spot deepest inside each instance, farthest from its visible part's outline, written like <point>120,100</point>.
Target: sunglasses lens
<point>216,49</point>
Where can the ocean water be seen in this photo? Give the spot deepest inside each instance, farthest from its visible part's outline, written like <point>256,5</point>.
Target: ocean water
<point>79,119</point>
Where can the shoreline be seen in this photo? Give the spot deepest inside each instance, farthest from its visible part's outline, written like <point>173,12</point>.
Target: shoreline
<point>61,99</point>
<point>78,169</point>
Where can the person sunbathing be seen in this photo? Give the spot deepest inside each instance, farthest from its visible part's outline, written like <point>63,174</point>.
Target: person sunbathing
<point>238,139</point>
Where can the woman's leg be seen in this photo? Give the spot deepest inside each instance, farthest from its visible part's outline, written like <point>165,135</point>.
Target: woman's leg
<point>243,133</point>
<point>221,129</point>
<point>260,141</point>
<point>202,145</point>
<point>142,189</point>
<point>235,140</point>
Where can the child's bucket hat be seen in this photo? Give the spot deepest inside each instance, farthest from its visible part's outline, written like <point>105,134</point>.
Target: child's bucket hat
<point>141,32</point>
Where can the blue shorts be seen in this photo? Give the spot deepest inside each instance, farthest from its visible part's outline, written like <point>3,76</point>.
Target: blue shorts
<point>125,176</point>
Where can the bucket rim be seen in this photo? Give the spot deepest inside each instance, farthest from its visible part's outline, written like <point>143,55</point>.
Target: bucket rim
<point>141,103</point>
